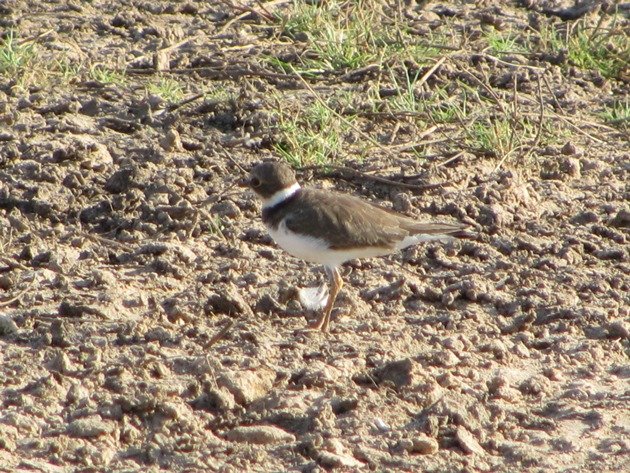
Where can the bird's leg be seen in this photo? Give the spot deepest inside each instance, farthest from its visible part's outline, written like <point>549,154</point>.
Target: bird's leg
<point>336,283</point>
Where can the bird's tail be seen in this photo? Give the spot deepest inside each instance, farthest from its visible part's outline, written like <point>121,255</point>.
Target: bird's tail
<point>421,232</point>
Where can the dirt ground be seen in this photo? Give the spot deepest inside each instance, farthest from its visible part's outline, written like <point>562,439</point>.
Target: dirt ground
<point>148,323</point>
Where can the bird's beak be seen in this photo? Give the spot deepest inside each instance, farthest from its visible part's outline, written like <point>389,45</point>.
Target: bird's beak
<point>244,182</point>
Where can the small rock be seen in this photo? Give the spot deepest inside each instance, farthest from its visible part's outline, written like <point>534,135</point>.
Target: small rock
<point>229,302</point>
<point>333,460</point>
<point>494,216</point>
<point>402,202</point>
<point>162,60</point>
<point>496,347</point>
<point>59,334</point>
<point>424,445</point>
<point>621,220</point>
<point>98,158</point>
<point>61,363</point>
<point>120,181</point>
<point>215,399</point>
<point>247,386</point>
<point>534,386</point>
<point>171,141</point>
<point>381,425</point>
<point>7,325</point>
<point>341,405</point>
<point>568,149</point>
<point>260,435</point>
<point>76,393</point>
<point>445,358</point>
<point>571,167</point>
<point>268,305</point>
<point>6,136</point>
<point>6,282</point>
<point>226,208</point>
<point>585,217</point>
<point>467,442</point>
<point>88,427</point>
<point>334,445</point>
<point>400,372</point>
<point>496,383</point>
<point>521,350</point>
<point>454,344</point>
<point>614,329</point>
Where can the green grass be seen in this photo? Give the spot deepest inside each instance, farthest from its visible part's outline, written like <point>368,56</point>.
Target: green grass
<point>607,54</point>
<point>447,108</point>
<point>432,106</point>
<point>313,135</point>
<point>347,35</point>
<point>618,114</point>
<point>168,89</point>
<point>66,70</point>
<point>500,137</point>
<point>107,76</point>
<point>219,93</point>
<point>504,43</point>
<point>15,59</point>
<point>587,48</point>
<point>407,99</point>
<point>492,137</point>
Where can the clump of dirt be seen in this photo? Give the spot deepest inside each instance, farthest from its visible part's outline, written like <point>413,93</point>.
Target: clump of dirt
<point>147,319</point>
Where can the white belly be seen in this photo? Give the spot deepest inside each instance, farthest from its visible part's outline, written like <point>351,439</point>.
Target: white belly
<point>316,250</point>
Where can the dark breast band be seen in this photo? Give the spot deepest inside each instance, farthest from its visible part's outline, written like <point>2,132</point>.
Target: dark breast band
<point>270,215</point>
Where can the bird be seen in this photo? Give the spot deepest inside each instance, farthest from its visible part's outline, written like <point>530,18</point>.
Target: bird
<point>331,228</point>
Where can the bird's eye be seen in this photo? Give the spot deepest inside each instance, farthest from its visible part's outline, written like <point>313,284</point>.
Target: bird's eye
<point>254,182</point>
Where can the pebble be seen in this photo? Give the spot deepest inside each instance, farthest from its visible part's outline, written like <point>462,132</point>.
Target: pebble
<point>424,445</point>
<point>7,325</point>
<point>171,141</point>
<point>88,427</point>
<point>467,442</point>
<point>260,435</point>
<point>229,301</point>
<point>333,460</point>
<point>247,386</point>
<point>400,373</point>
<point>569,149</point>
<point>120,181</point>
<point>226,208</point>
<point>571,167</point>
<point>618,330</point>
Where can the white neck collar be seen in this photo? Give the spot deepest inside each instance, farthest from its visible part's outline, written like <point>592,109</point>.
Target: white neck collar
<point>281,196</point>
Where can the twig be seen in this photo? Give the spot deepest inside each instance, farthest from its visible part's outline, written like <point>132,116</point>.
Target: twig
<point>213,72</point>
<point>541,119</point>
<point>220,334</point>
<point>227,155</point>
<point>36,38</point>
<point>450,160</point>
<point>186,101</point>
<point>489,89</point>
<point>163,50</point>
<point>553,95</point>
<point>225,27</point>
<point>525,66</point>
<point>579,130</point>
<point>406,146</point>
<point>370,177</point>
<point>18,295</point>
<point>428,74</point>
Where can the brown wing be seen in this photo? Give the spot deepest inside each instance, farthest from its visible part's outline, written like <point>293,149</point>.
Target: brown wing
<point>349,222</point>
